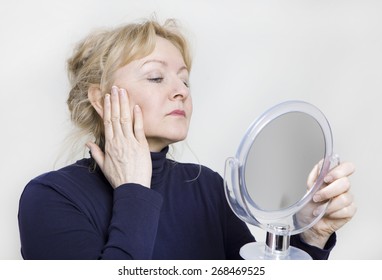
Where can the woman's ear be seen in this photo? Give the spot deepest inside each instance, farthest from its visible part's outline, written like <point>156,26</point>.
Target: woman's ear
<point>95,98</point>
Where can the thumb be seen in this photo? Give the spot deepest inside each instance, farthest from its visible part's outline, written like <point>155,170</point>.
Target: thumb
<point>96,153</point>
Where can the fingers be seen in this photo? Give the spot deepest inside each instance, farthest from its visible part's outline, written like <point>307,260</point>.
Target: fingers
<point>116,111</point>
<point>337,180</point>
<point>96,153</point>
<point>336,188</point>
<point>117,116</point>
<point>125,115</point>
<point>342,206</point>
<point>343,170</point>
<point>107,117</point>
<point>342,203</point>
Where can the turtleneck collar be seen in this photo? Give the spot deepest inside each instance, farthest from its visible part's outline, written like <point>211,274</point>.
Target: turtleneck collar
<point>158,163</point>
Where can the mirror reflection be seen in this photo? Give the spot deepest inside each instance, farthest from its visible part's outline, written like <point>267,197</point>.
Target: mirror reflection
<point>280,159</point>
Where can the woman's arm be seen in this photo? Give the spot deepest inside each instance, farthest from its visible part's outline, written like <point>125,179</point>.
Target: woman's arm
<point>53,226</point>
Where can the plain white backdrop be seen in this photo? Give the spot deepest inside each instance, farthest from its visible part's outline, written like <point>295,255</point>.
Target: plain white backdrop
<point>248,56</point>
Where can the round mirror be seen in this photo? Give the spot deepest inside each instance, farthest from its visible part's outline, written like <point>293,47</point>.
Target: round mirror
<point>280,159</point>
<point>266,183</point>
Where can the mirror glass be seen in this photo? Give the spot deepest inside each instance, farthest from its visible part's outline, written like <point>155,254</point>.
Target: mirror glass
<point>280,159</point>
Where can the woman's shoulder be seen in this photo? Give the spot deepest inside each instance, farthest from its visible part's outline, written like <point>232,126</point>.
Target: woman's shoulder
<point>71,171</point>
<point>67,180</point>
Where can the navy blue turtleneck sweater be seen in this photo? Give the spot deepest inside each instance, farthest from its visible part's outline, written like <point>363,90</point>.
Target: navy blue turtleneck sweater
<point>74,213</point>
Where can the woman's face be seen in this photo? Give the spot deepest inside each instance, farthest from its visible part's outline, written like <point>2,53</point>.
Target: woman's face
<point>158,83</point>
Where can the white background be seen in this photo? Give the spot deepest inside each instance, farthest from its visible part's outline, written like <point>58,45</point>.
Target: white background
<point>248,56</point>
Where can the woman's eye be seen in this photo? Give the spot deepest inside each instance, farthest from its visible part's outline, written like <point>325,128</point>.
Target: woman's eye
<point>186,83</point>
<point>156,80</point>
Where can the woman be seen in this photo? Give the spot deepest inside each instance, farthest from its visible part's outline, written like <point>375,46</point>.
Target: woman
<point>130,92</point>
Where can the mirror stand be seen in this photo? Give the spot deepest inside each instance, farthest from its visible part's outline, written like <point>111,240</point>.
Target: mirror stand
<point>276,247</point>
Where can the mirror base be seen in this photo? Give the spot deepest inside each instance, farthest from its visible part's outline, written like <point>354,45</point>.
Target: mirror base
<point>259,251</point>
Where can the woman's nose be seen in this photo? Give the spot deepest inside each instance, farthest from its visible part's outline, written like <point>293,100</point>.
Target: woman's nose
<point>180,91</point>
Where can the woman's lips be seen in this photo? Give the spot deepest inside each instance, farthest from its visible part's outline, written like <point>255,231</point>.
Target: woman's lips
<point>179,113</point>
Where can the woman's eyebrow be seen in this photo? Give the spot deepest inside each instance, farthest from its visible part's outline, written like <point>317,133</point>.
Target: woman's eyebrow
<point>164,63</point>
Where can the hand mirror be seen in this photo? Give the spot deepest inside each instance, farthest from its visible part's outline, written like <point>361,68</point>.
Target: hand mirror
<point>266,183</point>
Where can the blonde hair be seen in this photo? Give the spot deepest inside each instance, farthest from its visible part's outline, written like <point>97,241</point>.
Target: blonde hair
<point>96,58</point>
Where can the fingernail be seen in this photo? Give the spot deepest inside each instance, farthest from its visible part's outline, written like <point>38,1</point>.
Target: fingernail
<point>122,91</point>
<point>114,89</point>
<point>317,198</point>
<point>328,179</point>
<point>316,212</point>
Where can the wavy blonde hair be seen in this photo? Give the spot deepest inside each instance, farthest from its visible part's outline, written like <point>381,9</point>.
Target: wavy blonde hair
<point>97,57</point>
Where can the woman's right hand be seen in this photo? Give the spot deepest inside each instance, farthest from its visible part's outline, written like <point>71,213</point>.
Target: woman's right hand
<point>127,155</point>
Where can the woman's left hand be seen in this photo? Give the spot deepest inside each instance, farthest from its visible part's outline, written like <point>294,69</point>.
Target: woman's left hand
<point>341,209</point>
